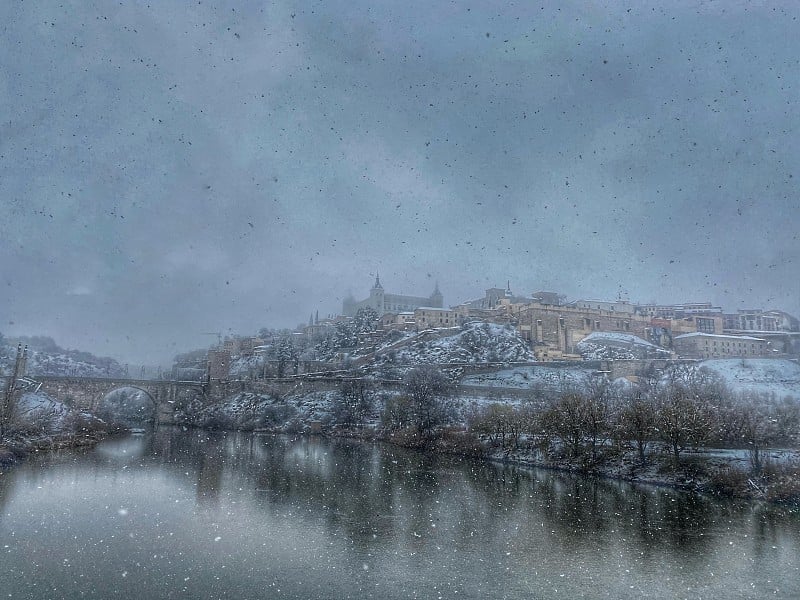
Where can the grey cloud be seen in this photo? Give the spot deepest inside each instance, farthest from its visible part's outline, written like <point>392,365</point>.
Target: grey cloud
<point>225,167</point>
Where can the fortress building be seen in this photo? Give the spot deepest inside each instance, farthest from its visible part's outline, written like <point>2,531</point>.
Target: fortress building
<point>391,303</point>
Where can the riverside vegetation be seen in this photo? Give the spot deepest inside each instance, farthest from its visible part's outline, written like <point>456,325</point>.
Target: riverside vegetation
<point>685,430</point>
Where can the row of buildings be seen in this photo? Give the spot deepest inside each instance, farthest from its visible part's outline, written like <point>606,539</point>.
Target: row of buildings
<point>554,326</point>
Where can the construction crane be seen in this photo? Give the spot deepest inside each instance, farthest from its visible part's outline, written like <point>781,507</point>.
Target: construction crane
<point>216,333</point>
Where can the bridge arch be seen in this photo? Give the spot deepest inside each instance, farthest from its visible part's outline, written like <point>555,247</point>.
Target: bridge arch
<point>126,404</point>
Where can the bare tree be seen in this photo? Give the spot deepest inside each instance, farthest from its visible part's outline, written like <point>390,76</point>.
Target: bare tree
<point>565,419</point>
<point>354,401</point>
<point>636,419</point>
<point>597,414</point>
<point>682,417</point>
<point>428,391</point>
<point>502,423</point>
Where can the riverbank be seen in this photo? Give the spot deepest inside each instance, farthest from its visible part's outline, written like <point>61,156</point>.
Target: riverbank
<point>15,449</point>
<point>722,473</point>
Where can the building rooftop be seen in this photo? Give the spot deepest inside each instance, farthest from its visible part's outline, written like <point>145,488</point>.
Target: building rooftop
<point>717,335</point>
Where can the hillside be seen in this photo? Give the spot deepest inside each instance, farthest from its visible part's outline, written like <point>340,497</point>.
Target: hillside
<point>474,343</point>
<point>763,375</point>
<point>54,360</point>
<point>533,377</point>
<point>602,345</point>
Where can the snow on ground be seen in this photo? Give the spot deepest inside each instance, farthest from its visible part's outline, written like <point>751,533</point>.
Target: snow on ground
<point>45,413</point>
<point>32,406</point>
<point>474,343</point>
<point>550,378</point>
<point>256,411</point>
<point>602,345</point>
<point>764,375</point>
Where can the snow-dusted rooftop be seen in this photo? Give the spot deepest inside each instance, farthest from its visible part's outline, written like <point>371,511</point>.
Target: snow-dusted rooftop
<point>717,335</point>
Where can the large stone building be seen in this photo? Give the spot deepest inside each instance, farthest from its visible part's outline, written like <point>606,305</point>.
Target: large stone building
<point>562,327</point>
<point>616,306</point>
<point>760,320</point>
<point>383,302</point>
<point>706,345</point>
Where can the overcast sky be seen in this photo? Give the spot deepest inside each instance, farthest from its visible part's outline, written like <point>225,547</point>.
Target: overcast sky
<point>172,169</point>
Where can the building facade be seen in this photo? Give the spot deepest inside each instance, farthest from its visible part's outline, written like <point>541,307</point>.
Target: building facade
<point>383,302</point>
<point>562,327</point>
<point>760,320</point>
<point>706,345</point>
<point>219,364</point>
<point>428,317</point>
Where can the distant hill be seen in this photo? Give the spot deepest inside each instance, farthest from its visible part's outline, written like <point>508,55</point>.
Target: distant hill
<point>45,357</point>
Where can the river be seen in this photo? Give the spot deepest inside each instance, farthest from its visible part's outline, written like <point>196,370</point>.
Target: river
<point>196,514</point>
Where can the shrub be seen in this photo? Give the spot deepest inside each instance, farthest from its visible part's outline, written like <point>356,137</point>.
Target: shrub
<point>408,438</point>
<point>729,481</point>
<point>783,482</point>
<point>218,421</point>
<point>35,423</point>
<point>277,415</point>
<point>464,443</point>
<point>294,426</point>
<point>80,422</point>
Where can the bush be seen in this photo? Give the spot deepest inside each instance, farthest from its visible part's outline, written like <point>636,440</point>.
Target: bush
<point>408,438</point>
<point>277,415</point>
<point>218,421</point>
<point>80,422</point>
<point>294,426</point>
<point>783,482</point>
<point>729,481</point>
<point>7,456</point>
<point>37,422</point>
<point>464,443</point>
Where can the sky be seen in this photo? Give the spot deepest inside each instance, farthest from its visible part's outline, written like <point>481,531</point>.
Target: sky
<point>172,169</point>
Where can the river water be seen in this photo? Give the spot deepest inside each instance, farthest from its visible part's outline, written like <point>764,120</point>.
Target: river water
<point>193,514</point>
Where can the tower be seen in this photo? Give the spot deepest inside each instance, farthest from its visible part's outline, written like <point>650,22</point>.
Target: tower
<point>376,296</point>
<point>437,300</point>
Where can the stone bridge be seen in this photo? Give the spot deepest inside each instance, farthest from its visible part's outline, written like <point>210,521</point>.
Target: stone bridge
<point>86,393</point>
<point>167,396</point>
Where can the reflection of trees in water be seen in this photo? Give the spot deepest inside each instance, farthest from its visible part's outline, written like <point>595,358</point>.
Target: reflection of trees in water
<point>377,495</point>
<point>6,485</point>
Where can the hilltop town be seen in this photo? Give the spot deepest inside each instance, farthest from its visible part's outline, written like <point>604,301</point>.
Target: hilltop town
<point>388,328</point>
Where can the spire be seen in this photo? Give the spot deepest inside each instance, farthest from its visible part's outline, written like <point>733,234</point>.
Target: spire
<point>377,285</point>
<point>436,297</point>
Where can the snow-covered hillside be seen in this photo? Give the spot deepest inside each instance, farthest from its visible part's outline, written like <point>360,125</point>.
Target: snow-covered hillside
<point>474,343</point>
<point>549,378</point>
<point>602,345</point>
<point>62,362</point>
<point>768,375</point>
<point>247,366</point>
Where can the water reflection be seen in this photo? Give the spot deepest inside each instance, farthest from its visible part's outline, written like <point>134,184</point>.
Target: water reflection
<point>239,514</point>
